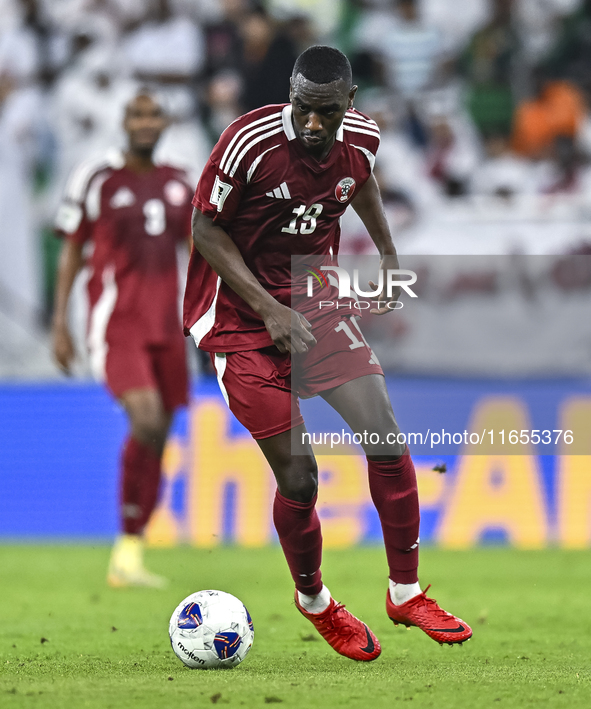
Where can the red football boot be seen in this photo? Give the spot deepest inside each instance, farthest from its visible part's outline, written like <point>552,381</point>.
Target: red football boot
<point>424,613</point>
<point>343,631</point>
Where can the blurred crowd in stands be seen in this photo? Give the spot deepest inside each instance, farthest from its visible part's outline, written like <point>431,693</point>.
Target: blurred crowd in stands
<point>480,98</point>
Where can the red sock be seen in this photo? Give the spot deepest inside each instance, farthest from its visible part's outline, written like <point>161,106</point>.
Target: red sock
<point>140,481</point>
<point>298,527</point>
<point>393,487</point>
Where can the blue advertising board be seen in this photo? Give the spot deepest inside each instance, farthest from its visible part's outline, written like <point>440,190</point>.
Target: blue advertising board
<point>60,446</point>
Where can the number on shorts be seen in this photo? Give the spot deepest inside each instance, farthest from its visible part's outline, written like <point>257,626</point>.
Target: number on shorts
<point>355,342</point>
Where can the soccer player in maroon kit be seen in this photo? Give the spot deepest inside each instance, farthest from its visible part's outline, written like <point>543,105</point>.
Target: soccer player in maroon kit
<point>134,214</point>
<point>275,186</point>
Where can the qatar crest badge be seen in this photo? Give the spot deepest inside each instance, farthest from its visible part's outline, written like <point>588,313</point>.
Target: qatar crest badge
<point>175,193</point>
<point>344,190</point>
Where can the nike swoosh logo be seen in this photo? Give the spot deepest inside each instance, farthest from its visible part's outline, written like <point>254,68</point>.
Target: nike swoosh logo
<point>459,629</point>
<point>370,646</point>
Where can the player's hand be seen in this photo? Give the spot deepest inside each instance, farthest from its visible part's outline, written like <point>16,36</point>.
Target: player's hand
<point>63,348</point>
<point>289,330</point>
<point>385,263</point>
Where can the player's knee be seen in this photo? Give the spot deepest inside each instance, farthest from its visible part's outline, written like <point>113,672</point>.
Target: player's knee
<point>151,431</point>
<point>384,442</point>
<point>384,454</point>
<point>297,477</point>
<point>300,491</point>
<point>300,485</point>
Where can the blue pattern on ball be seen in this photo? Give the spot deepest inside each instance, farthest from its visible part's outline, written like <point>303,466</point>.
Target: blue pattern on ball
<point>226,644</point>
<point>250,625</point>
<point>190,617</point>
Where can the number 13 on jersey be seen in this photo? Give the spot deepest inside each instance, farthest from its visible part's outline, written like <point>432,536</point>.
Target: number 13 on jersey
<point>307,219</point>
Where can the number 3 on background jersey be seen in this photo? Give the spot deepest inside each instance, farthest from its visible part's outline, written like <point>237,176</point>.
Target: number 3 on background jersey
<point>309,217</point>
<point>155,213</point>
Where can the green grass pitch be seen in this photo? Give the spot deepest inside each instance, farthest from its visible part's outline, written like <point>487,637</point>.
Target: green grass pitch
<point>66,640</point>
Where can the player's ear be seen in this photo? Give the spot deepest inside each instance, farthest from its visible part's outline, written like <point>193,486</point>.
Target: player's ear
<point>290,89</point>
<point>352,96</point>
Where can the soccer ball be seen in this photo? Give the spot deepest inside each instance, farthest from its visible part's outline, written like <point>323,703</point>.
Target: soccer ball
<point>210,629</point>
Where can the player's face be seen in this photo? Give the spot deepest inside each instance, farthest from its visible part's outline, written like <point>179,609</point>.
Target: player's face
<point>144,122</point>
<point>318,111</point>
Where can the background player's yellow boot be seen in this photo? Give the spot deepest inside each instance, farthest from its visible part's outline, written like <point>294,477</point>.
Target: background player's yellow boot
<point>126,566</point>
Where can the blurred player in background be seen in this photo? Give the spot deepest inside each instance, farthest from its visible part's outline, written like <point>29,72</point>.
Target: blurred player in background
<point>276,185</point>
<point>133,214</point>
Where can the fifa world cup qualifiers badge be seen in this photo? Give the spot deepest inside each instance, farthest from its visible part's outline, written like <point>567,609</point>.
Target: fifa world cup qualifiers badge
<point>344,190</point>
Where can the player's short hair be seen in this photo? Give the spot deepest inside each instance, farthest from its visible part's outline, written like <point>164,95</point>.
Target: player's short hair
<point>144,92</point>
<point>323,65</point>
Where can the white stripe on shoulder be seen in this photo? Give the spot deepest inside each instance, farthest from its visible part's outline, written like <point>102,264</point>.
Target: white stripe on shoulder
<point>371,158</point>
<point>93,196</point>
<point>354,129</point>
<point>247,136</point>
<point>353,115</point>
<point>256,163</point>
<point>248,127</point>
<point>80,178</point>
<point>362,124</point>
<point>252,143</point>
<point>287,124</point>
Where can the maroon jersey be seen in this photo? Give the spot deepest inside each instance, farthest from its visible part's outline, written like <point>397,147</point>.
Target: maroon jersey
<point>134,222</point>
<point>275,201</point>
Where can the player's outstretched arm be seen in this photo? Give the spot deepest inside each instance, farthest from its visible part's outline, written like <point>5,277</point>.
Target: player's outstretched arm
<point>70,263</point>
<point>290,331</point>
<point>368,205</point>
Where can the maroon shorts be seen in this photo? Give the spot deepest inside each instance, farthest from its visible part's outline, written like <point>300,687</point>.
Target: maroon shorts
<point>132,364</point>
<point>262,387</point>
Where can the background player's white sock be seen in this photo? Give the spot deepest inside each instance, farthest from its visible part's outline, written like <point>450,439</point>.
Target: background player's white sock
<point>402,592</point>
<point>315,604</point>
